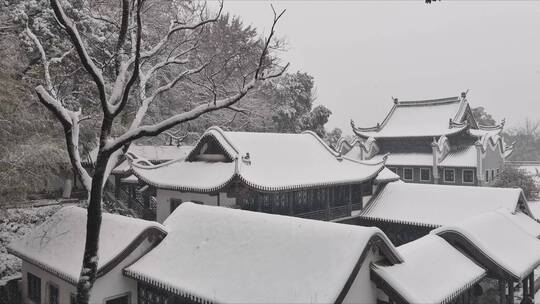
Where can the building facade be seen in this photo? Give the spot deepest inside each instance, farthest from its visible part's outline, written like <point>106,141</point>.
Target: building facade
<point>432,141</point>
<point>287,174</point>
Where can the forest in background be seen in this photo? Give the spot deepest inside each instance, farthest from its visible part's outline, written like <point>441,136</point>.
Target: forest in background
<point>32,145</point>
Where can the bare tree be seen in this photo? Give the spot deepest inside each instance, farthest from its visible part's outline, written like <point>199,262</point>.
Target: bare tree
<point>140,68</point>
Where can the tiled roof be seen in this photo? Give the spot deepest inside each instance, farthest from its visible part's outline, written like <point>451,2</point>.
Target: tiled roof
<point>407,159</point>
<point>57,245</point>
<point>265,161</point>
<point>222,255</point>
<point>155,154</point>
<point>424,118</point>
<point>464,157</point>
<point>437,205</point>
<point>417,282</point>
<point>505,242</point>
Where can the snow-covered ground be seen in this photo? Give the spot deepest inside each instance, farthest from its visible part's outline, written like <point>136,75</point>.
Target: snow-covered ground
<point>15,223</point>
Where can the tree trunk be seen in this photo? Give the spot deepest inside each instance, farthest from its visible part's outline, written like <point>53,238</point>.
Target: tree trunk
<point>93,227</point>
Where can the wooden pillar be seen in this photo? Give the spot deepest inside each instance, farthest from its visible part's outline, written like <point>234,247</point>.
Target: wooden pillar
<point>258,199</point>
<point>290,201</point>
<point>361,196</point>
<point>502,291</point>
<point>531,285</point>
<point>350,199</point>
<point>525,284</point>
<point>327,203</point>
<point>510,292</point>
<point>116,186</point>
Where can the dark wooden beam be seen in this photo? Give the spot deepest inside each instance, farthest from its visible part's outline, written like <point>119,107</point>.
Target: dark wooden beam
<point>502,291</point>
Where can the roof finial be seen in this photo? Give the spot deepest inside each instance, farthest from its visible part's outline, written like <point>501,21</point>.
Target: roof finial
<point>395,100</point>
<point>503,121</point>
<point>352,123</point>
<point>464,94</point>
<point>378,125</point>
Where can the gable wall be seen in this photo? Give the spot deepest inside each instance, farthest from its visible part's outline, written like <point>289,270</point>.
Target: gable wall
<point>363,290</point>
<point>163,198</point>
<point>113,284</point>
<point>492,160</point>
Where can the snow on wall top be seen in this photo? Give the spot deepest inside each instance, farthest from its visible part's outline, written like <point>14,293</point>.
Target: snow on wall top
<point>57,245</point>
<point>423,118</point>
<point>152,153</point>
<point>498,236</point>
<point>265,161</point>
<point>436,205</point>
<point>415,279</point>
<point>226,255</point>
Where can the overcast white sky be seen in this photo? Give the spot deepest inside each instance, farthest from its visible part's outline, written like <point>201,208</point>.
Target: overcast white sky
<point>361,53</point>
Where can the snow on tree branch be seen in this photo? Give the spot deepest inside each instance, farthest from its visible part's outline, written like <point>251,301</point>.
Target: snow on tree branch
<point>70,123</point>
<point>86,60</point>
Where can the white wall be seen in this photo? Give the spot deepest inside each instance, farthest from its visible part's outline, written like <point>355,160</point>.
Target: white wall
<point>64,288</point>
<point>111,285</point>
<point>163,198</point>
<point>363,291</point>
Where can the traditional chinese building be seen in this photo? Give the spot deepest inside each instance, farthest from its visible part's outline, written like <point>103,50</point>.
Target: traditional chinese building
<point>208,254</point>
<point>503,242</point>
<point>432,141</point>
<point>52,255</point>
<point>408,211</point>
<point>433,272</point>
<point>222,255</point>
<point>288,174</point>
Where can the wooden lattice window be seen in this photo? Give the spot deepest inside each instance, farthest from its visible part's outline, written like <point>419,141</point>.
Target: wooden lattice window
<point>34,287</point>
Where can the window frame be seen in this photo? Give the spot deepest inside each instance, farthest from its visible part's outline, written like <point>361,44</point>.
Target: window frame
<point>31,279</point>
<point>487,176</point>
<point>412,174</point>
<point>50,287</point>
<point>463,176</point>
<point>118,296</point>
<point>429,175</point>
<point>453,175</point>
<point>174,201</point>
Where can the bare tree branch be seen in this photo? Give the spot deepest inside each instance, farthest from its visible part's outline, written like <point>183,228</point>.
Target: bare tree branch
<point>86,61</point>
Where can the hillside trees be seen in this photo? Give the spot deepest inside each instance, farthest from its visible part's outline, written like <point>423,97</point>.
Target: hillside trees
<point>129,69</point>
<point>512,177</point>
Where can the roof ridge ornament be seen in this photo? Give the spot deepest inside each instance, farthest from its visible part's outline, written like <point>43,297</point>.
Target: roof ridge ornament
<point>246,158</point>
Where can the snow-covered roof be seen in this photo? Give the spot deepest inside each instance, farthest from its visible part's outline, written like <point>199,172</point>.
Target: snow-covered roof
<point>57,245</point>
<point>386,175</point>
<point>225,255</point>
<point>530,167</point>
<point>155,154</point>
<point>416,280</point>
<point>265,161</point>
<point>423,118</point>
<point>407,159</point>
<point>124,167</point>
<point>436,205</point>
<point>512,248</point>
<point>464,157</point>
